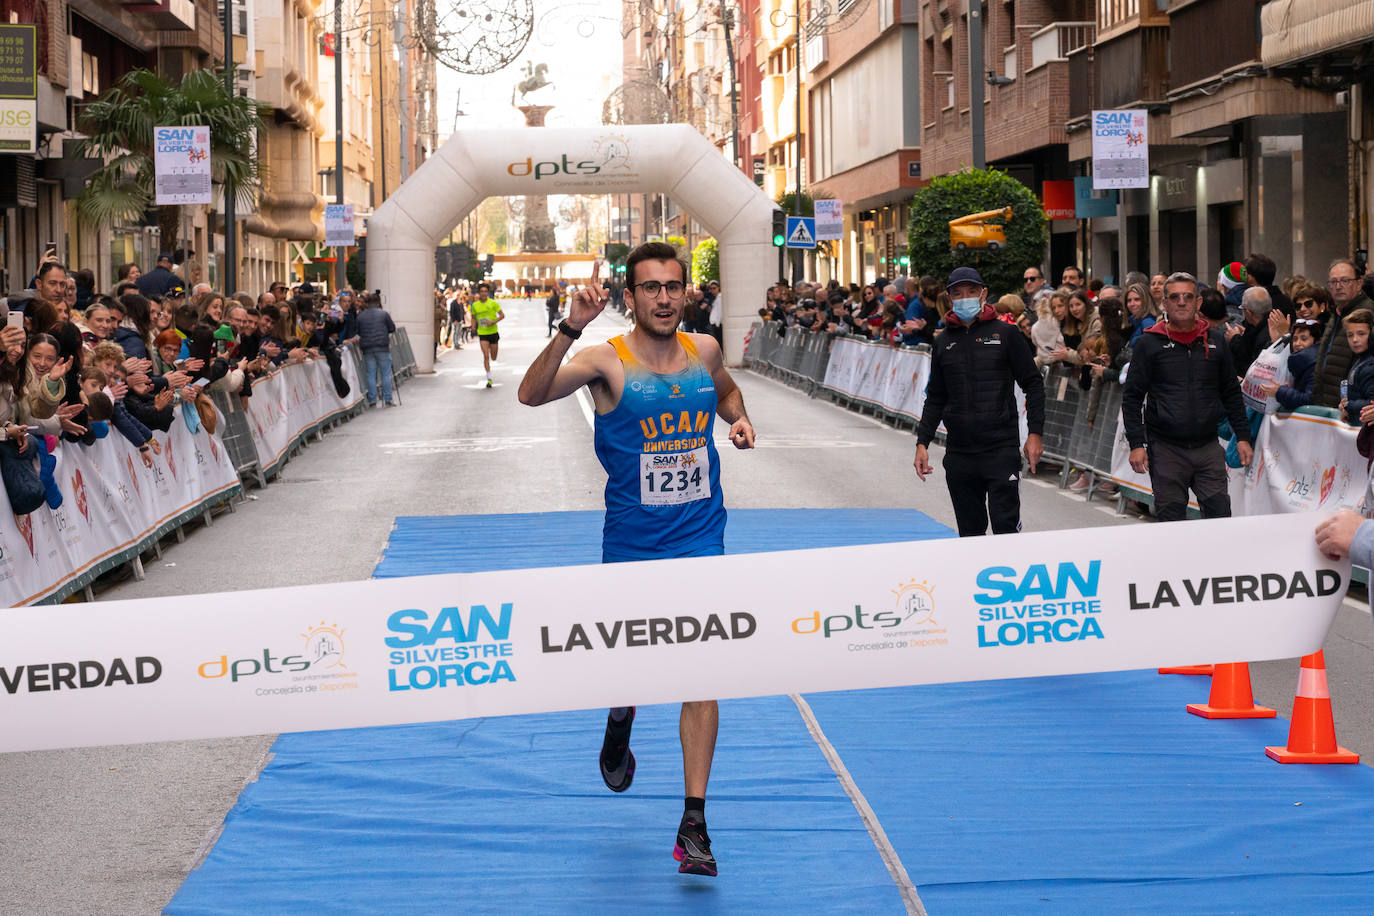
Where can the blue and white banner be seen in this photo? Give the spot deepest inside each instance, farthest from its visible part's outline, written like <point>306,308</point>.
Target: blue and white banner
<point>435,648</point>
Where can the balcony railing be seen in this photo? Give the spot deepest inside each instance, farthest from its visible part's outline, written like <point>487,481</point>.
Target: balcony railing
<point>1059,39</point>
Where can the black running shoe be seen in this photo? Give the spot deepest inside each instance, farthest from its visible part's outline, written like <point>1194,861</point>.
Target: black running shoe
<point>693,848</point>
<point>617,760</point>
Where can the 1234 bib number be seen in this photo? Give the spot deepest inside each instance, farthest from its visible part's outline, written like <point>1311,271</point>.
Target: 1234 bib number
<point>673,479</point>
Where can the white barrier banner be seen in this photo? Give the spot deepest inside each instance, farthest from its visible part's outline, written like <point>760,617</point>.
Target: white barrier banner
<point>447,647</point>
<point>110,503</point>
<point>292,400</point>
<point>894,379</point>
<point>1301,463</point>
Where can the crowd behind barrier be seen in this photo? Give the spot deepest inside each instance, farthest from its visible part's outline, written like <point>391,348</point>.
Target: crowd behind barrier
<point>125,414</point>
<point>115,509</point>
<point>1304,460</point>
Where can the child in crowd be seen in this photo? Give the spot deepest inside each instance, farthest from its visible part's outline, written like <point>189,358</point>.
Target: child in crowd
<point>1302,365</point>
<point>129,427</point>
<point>1360,382</point>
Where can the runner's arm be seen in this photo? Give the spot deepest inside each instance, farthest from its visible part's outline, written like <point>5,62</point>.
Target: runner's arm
<point>729,399</point>
<point>549,378</point>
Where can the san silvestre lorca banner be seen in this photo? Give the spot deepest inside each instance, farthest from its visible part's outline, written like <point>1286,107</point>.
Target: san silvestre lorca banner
<point>445,647</point>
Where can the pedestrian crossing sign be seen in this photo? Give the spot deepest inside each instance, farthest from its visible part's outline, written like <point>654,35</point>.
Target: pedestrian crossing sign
<point>801,232</point>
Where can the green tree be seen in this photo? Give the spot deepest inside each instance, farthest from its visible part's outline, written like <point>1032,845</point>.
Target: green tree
<point>617,252</point>
<point>706,262</point>
<point>119,130</point>
<point>971,191</point>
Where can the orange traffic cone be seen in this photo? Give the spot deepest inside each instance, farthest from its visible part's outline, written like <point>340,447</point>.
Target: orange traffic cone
<point>1187,669</point>
<point>1312,736</point>
<point>1231,697</point>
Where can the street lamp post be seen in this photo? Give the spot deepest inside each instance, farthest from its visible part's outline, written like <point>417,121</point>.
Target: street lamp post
<point>339,255</point>
<point>231,253</point>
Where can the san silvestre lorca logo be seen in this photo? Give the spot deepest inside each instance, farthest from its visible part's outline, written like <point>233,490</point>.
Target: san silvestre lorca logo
<point>314,665</point>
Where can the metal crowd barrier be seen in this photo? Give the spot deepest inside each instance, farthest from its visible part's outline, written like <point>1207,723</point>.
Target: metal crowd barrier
<point>800,358</point>
<point>792,355</point>
<point>237,439</point>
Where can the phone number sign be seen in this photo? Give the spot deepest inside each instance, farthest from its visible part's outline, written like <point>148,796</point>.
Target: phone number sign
<point>18,61</point>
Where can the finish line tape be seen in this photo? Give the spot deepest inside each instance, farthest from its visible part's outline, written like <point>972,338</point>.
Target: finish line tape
<point>435,648</point>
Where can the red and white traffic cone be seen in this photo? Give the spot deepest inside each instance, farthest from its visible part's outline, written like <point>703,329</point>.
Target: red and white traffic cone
<point>1312,736</point>
<point>1231,697</point>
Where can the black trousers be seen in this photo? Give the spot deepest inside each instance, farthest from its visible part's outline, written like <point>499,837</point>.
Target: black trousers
<point>985,486</point>
<point>1175,469</point>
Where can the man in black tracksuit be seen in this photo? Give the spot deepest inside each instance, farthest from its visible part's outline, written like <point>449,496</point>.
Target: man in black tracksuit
<point>974,363</point>
<point>1183,380</point>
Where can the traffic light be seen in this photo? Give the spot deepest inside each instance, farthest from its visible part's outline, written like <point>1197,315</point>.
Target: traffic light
<point>779,229</point>
<point>462,260</point>
<point>904,260</point>
<point>488,263</point>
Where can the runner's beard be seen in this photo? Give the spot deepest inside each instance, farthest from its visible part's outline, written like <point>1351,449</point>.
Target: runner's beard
<point>646,320</point>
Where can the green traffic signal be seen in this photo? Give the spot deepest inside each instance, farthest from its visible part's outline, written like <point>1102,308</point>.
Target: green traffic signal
<point>778,240</point>
<point>779,229</point>
<point>904,260</point>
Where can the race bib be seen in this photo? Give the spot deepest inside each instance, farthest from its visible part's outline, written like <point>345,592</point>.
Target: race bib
<point>674,478</point>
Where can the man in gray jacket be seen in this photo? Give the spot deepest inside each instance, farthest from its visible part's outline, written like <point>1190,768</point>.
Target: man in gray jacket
<point>375,328</point>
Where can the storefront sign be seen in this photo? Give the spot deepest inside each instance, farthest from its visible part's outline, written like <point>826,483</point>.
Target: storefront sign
<point>1057,198</point>
<point>18,61</point>
<point>18,125</point>
<point>1090,205</point>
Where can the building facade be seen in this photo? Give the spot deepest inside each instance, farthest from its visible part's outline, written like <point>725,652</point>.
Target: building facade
<point>283,57</point>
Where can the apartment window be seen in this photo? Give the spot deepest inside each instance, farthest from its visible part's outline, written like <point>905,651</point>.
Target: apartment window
<point>949,92</point>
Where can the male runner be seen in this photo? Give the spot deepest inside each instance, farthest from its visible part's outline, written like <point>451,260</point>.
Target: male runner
<point>656,393</point>
<point>485,313</point>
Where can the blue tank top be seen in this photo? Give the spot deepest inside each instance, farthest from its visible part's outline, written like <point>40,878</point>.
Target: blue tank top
<point>658,448</point>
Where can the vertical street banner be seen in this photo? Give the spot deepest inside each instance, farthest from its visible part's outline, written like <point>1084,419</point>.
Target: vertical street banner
<point>1121,149</point>
<point>181,165</point>
<point>18,88</point>
<point>829,220</point>
<point>338,226</point>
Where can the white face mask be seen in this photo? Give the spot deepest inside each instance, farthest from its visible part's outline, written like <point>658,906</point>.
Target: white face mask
<point>968,309</point>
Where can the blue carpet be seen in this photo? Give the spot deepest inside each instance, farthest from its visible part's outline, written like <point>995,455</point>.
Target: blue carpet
<point>1100,794</point>
<point>429,545</point>
<point>1089,794</point>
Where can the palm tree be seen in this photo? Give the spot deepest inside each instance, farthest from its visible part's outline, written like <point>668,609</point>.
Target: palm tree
<point>119,130</point>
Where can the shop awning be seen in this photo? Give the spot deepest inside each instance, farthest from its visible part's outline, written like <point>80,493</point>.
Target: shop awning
<point>1298,30</point>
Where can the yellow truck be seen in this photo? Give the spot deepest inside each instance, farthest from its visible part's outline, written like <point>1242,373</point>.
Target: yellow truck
<point>974,230</point>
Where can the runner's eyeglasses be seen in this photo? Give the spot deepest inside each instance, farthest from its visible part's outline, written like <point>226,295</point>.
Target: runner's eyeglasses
<point>673,288</point>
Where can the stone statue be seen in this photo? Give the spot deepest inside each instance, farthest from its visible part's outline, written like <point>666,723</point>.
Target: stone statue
<point>534,79</point>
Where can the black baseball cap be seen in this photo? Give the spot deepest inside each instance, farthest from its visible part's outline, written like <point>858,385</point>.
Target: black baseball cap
<point>963,275</point>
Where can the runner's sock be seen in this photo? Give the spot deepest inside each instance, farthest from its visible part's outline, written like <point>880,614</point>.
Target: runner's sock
<point>620,713</point>
<point>692,803</point>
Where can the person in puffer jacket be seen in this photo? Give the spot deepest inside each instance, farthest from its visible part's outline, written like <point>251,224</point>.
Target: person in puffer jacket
<point>1181,382</point>
<point>974,364</point>
<point>375,328</point>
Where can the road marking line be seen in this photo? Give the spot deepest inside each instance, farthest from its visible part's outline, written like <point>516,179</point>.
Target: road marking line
<point>910,899</point>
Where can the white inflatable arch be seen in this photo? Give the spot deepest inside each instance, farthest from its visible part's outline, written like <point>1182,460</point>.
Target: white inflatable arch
<point>672,159</point>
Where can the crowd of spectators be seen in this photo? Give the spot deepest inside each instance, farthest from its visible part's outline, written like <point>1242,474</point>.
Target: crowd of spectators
<point>1087,328</point>
<point>80,364</point>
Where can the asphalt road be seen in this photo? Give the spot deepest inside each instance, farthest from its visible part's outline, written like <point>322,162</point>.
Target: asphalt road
<point>116,829</point>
